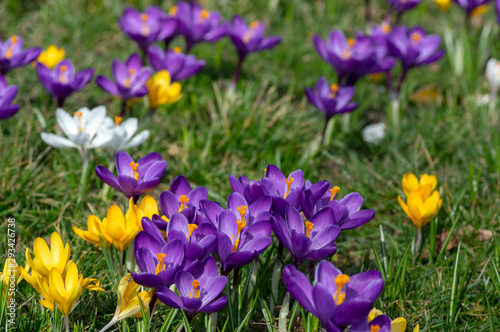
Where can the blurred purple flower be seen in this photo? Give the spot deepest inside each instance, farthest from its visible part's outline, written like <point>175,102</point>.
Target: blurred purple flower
<point>310,240</point>
<point>134,179</point>
<point>62,81</point>
<point>179,65</point>
<point>401,6</point>
<point>130,79</point>
<point>197,293</point>
<point>469,5</point>
<point>7,95</point>
<point>13,56</point>
<point>352,58</point>
<point>413,47</point>
<point>331,99</point>
<point>197,24</point>
<point>336,299</point>
<point>146,28</point>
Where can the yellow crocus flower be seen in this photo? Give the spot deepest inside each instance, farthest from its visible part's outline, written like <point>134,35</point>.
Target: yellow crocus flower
<point>162,91</point>
<point>51,56</point>
<point>420,211</point>
<point>443,5</point>
<point>424,187</point>
<point>10,277</point>
<point>117,228</point>
<point>397,325</point>
<point>46,259</point>
<point>128,301</point>
<point>41,285</point>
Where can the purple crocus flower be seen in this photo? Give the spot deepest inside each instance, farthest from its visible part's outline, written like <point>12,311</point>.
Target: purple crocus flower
<point>197,24</point>
<point>134,179</point>
<point>310,240</point>
<point>181,198</point>
<point>62,81</point>
<point>497,8</point>
<point>413,47</point>
<point>347,213</point>
<point>197,293</point>
<point>251,190</point>
<point>148,27</point>
<point>380,323</point>
<point>352,58</point>
<point>331,99</point>
<point>158,261</point>
<point>13,56</point>
<point>380,35</point>
<point>130,79</point>
<point>241,236</point>
<point>179,65</point>
<point>401,6</point>
<point>199,241</point>
<point>336,299</point>
<point>284,190</point>
<point>469,5</point>
<point>7,95</point>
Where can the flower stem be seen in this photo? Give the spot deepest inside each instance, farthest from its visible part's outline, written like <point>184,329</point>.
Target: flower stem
<point>83,176</point>
<point>236,276</point>
<point>66,323</point>
<point>120,263</point>
<point>123,108</point>
<point>237,72</point>
<point>105,189</point>
<point>418,241</point>
<point>111,323</point>
<point>368,15</point>
<point>275,284</point>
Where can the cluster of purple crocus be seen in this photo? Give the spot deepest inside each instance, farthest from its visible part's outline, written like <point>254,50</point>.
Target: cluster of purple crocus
<point>12,56</point>
<point>375,53</point>
<point>196,25</point>
<point>180,245</point>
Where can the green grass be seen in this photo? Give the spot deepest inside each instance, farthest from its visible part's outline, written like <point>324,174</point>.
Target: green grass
<point>210,133</point>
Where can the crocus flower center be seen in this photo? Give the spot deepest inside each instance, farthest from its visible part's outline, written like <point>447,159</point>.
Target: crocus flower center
<point>374,328</point>
<point>118,120</point>
<point>339,295</point>
<point>243,221</point>
<point>334,191</point>
<point>415,37</point>
<point>177,49</point>
<point>145,30</point>
<point>173,10</point>
<point>204,14</point>
<point>350,43</point>
<point>184,200</point>
<point>265,169</point>
<point>288,184</point>
<point>236,244</point>
<point>160,267</point>
<point>254,25</point>
<point>191,228</point>
<point>334,89</point>
<point>62,77</point>
<point>127,81</point>
<point>8,53</point>
<point>79,117</point>
<point>309,228</point>
<point>386,27</point>
<point>195,290</point>
<point>135,170</point>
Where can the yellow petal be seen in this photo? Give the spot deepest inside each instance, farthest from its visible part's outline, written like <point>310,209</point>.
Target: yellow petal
<point>398,325</point>
<point>417,328</point>
<point>42,255</point>
<point>410,183</point>
<point>373,314</point>
<point>148,206</point>
<point>115,215</point>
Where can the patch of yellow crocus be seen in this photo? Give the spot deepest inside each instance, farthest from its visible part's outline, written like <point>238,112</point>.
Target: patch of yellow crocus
<point>162,91</point>
<point>51,56</point>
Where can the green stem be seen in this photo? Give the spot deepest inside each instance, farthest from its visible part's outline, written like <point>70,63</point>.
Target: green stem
<point>83,176</point>
<point>66,323</point>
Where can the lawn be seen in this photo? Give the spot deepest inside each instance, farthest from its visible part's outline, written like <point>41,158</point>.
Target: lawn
<point>215,130</point>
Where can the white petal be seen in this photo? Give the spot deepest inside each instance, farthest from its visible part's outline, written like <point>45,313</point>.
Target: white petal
<point>57,141</point>
<point>137,140</point>
<point>130,127</point>
<point>108,122</point>
<point>102,139</point>
<point>94,120</point>
<point>66,122</point>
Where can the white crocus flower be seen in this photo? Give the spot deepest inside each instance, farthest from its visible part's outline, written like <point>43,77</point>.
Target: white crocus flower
<point>493,74</point>
<point>122,133</point>
<point>80,129</point>
<point>374,133</point>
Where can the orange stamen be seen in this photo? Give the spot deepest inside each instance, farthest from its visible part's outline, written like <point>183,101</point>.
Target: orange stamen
<point>79,117</point>
<point>173,10</point>
<point>135,170</point>
<point>265,169</point>
<point>288,184</point>
<point>236,244</point>
<point>196,286</point>
<point>243,221</point>
<point>334,191</point>
<point>386,27</point>
<point>204,14</point>
<point>177,49</point>
<point>144,17</point>
<point>191,228</point>
<point>160,267</point>
<point>339,295</point>
<point>8,53</point>
<point>118,120</point>
<point>309,228</point>
<point>374,328</point>
<point>254,24</point>
<point>334,89</point>
<point>415,37</point>
<point>184,200</point>
<point>351,42</point>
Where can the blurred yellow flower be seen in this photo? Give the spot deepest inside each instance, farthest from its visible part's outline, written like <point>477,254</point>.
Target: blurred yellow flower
<point>443,5</point>
<point>162,91</point>
<point>422,200</point>
<point>397,325</point>
<point>52,56</point>
<point>46,259</point>
<point>9,277</point>
<point>479,11</point>
<point>117,228</point>
<point>128,301</point>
